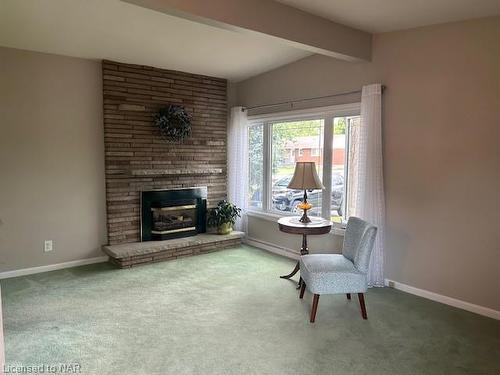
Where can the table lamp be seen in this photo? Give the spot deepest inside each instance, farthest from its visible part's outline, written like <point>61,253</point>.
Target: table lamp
<point>305,178</point>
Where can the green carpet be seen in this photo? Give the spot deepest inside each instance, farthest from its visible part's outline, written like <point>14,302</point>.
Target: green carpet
<point>228,313</point>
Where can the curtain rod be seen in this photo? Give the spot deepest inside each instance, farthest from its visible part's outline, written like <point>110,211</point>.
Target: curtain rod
<point>306,99</point>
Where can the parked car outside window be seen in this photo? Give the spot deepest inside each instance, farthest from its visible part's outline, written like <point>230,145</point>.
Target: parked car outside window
<point>288,200</point>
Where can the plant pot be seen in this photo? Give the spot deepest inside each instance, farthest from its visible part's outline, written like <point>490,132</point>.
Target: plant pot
<point>225,228</point>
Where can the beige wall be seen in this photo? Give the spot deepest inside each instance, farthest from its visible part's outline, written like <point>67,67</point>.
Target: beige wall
<point>441,148</point>
<point>51,159</point>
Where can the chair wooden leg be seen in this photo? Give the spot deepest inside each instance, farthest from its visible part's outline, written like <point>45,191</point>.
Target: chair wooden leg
<point>314,307</point>
<point>302,289</point>
<point>362,304</point>
<point>299,285</point>
<point>348,296</point>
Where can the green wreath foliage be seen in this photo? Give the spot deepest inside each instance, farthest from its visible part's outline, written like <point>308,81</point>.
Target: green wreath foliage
<point>173,122</point>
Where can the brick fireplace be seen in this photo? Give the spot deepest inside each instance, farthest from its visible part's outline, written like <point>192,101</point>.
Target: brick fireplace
<point>137,157</point>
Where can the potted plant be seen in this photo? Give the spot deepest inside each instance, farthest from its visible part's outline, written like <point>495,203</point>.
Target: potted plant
<point>223,217</point>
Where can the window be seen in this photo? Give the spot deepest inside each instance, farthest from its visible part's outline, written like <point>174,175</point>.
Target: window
<point>342,144</point>
<point>327,138</point>
<point>256,167</point>
<point>293,135</point>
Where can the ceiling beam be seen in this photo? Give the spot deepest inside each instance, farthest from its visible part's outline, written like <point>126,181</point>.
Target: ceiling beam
<point>290,25</point>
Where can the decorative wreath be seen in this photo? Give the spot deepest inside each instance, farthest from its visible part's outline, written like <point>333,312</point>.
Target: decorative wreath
<point>174,123</point>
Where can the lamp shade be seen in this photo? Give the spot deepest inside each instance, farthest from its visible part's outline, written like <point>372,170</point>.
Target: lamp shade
<point>305,177</point>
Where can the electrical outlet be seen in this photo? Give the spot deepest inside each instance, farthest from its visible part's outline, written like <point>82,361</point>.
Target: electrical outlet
<point>391,284</point>
<point>48,246</point>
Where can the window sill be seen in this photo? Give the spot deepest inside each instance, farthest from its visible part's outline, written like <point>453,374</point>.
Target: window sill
<point>337,229</point>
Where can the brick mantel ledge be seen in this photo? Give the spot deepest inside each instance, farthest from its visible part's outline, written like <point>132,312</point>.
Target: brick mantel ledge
<point>170,172</point>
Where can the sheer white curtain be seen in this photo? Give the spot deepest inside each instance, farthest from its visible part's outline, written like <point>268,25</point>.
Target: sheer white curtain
<point>369,197</point>
<point>237,162</point>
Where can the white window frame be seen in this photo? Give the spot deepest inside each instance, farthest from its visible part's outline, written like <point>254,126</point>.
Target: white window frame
<point>327,114</point>
<point>315,152</point>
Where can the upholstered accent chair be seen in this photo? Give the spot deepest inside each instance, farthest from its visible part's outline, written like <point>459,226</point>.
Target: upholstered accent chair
<point>340,273</point>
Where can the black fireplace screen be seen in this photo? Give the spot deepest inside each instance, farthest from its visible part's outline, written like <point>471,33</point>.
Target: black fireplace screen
<point>175,213</point>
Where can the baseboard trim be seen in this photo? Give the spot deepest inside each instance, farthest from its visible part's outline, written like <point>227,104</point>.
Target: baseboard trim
<point>481,310</point>
<point>51,267</point>
<point>280,250</point>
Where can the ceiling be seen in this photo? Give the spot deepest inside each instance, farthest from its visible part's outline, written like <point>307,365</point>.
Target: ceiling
<point>114,30</point>
<point>378,16</point>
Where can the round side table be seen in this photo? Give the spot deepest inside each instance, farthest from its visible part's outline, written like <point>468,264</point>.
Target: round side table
<point>292,225</point>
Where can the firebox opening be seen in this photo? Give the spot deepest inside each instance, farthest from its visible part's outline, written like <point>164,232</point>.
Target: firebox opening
<point>173,213</point>
<point>173,219</point>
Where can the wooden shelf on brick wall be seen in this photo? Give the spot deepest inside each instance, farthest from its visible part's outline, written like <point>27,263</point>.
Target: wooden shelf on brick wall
<point>174,172</point>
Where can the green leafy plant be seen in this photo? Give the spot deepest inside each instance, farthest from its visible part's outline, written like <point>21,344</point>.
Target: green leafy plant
<point>224,213</point>
<point>174,123</point>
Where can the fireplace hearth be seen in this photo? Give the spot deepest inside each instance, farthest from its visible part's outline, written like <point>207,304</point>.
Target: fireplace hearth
<point>173,213</point>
